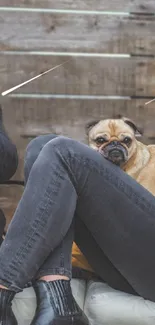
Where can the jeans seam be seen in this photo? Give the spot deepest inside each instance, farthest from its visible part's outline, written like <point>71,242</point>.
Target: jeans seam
<point>18,258</point>
<point>67,164</point>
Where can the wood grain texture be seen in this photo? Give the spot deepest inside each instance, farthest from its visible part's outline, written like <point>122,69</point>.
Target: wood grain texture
<point>116,5</point>
<point>64,116</point>
<point>80,76</point>
<point>64,32</point>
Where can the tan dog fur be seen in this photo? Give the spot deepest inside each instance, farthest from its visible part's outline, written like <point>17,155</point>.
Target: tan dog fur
<point>141,158</point>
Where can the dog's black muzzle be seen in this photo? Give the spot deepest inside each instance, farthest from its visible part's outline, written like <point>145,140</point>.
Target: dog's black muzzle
<point>115,152</point>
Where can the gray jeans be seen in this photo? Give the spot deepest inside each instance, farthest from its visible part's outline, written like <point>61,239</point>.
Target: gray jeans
<point>71,187</point>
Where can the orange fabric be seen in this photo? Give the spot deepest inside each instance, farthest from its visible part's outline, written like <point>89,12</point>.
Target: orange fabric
<point>79,260</point>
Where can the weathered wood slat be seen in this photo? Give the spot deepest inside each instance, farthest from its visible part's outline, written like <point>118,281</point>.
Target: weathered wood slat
<point>68,32</point>
<point>64,116</point>
<point>81,76</point>
<point>119,5</point>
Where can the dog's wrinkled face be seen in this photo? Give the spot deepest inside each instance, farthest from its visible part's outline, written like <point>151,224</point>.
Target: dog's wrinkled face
<point>114,139</point>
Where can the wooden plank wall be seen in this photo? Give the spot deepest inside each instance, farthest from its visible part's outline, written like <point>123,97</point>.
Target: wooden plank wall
<point>111,47</point>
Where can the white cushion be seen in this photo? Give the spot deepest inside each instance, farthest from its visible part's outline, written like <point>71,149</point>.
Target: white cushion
<point>102,304</point>
<point>24,305</point>
<point>106,306</point>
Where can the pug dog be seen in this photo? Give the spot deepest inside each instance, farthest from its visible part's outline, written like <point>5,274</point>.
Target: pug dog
<point>116,139</point>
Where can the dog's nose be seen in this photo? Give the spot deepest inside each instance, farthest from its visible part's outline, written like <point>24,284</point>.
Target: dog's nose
<point>114,143</point>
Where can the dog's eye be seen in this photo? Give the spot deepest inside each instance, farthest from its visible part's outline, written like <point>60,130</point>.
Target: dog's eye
<point>100,140</point>
<point>127,140</point>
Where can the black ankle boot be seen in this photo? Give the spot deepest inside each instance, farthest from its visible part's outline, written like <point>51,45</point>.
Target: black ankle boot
<point>6,314</point>
<point>56,305</point>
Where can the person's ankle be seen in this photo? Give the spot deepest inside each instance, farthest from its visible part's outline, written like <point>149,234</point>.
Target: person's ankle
<point>3,287</point>
<point>49,278</point>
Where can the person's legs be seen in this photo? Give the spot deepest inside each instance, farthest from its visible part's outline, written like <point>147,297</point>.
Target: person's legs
<point>115,209</point>
<point>95,255</point>
<point>55,259</point>
<point>32,151</point>
<point>98,260</point>
<point>67,177</point>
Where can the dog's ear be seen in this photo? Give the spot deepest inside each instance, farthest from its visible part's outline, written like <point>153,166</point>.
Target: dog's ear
<point>137,130</point>
<point>90,125</point>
